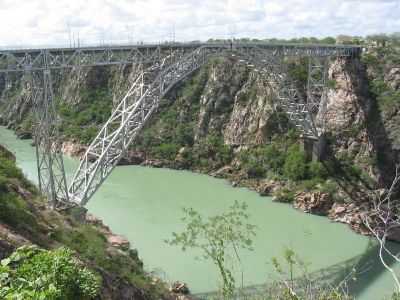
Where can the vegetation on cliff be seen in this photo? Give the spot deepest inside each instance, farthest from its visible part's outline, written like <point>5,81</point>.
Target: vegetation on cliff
<point>113,272</point>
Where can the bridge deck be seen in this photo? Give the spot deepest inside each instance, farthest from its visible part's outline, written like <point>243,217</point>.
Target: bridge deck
<point>286,46</point>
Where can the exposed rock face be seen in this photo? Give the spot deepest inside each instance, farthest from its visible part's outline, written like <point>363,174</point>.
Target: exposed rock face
<point>313,202</point>
<point>350,214</point>
<point>133,158</point>
<point>347,108</point>
<point>391,117</point>
<point>248,123</point>
<point>218,96</point>
<point>72,148</point>
<point>393,78</point>
<point>269,187</point>
<point>237,103</point>
<point>343,109</point>
<point>118,241</point>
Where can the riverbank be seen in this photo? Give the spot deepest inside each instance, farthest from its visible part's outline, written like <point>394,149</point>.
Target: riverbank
<point>26,219</point>
<point>313,202</point>
<point>145,205</point>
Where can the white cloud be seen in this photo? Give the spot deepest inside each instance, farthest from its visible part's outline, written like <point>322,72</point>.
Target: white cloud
<point>50,22</point>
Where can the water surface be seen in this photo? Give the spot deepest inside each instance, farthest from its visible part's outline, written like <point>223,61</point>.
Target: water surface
<point>145,205</point>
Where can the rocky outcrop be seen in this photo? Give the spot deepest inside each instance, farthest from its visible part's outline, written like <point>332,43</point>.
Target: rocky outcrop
<point>73,148</point>
<point>317,203</point>
<point>342,110</point>
<point>392,78</point>
<point>249,121</point>
<point>350,214</point>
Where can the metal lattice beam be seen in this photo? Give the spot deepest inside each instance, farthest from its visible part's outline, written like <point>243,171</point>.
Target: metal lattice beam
<point>51,173</point>
<point>126,121</point>
<point>163,66</point>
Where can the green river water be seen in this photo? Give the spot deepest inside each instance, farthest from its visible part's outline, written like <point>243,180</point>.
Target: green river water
<point>145,205</point>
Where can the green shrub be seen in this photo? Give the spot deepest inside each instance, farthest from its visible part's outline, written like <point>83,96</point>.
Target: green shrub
<point>8,169</point>
<point>329,187</point>
<point>3,184</point>
<point>274,158</point>
<point>184,135</point>
<point>298,71</point>
<point>317,170</point>
<point>214,148</point>
<point>295,167</point>
<point>284,195</point>
<point>166,151</point>
<point>254,169</point>
<point>83,120</point>
<point>32,273</point>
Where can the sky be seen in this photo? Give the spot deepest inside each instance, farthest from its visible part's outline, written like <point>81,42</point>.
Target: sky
<point>61,22</point>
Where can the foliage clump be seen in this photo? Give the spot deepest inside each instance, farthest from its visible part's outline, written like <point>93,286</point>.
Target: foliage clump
<point>33,273</point>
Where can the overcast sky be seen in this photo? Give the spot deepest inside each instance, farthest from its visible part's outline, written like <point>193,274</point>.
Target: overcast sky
<point>55,22</point>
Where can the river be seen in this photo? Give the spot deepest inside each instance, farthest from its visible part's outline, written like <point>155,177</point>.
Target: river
<point>145,205</point>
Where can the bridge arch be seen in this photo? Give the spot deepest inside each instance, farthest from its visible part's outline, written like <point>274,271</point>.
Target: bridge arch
<point>152,84</point>
<point>163,67</point>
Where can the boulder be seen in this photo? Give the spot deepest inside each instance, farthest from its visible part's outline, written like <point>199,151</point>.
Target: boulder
<point>179,288</point>
<point>72,148</point>
<point>118,241</point>
<point>91,219</point>
<point>313,202</point>
<point>222,172</point>
<point>132,158</point>
<point>268,187</point>
<point>24,135</point>
<point>155,163</point>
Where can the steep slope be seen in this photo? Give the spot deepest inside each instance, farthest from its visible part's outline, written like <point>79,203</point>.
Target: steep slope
<point>25,220</point>
<point>223,121</point>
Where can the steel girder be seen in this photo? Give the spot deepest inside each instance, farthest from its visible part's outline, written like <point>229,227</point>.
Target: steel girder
<point>143,98</point>
<point>163,66</point>
<point>58,58</point>
<point>126,121</point>
<point>51,173</point>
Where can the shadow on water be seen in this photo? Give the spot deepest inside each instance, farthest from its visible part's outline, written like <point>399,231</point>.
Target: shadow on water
<point>371,268</point>
<point>366,268</point>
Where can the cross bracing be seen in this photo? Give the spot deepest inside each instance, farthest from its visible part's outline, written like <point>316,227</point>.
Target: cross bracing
<point>162,66</point>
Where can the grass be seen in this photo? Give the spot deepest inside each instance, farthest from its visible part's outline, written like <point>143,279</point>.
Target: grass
<point>89,243</point>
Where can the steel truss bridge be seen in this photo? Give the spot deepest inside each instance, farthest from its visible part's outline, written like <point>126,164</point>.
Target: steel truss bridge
<point>162,67</point>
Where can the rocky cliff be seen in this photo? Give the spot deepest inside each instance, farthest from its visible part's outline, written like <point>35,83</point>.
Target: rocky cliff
<point>223,121</point>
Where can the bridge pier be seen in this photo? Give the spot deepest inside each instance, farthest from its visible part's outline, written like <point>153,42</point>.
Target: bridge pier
<point>315,149</point>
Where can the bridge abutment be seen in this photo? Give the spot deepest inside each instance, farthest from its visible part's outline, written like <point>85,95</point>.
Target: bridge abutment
<point>315,149</point>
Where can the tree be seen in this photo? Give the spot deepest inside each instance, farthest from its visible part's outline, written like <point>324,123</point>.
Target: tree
<point>295,167</point>
<point>383,221</point>
<point>217,237</point>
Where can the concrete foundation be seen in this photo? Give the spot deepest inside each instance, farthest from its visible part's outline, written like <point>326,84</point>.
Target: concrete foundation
<point>315,149</point>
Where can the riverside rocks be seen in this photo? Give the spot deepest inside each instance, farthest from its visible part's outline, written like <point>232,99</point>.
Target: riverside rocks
<point>118,241</point>
<point>268,187</point>
<point>179,288</point>
<point>24,135</point>
<point>223,172</point>
<point>73,148</point>
<point>133,158</point>
<point>114,240</point>
<point>349,213</point>
<point>313,202</point>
